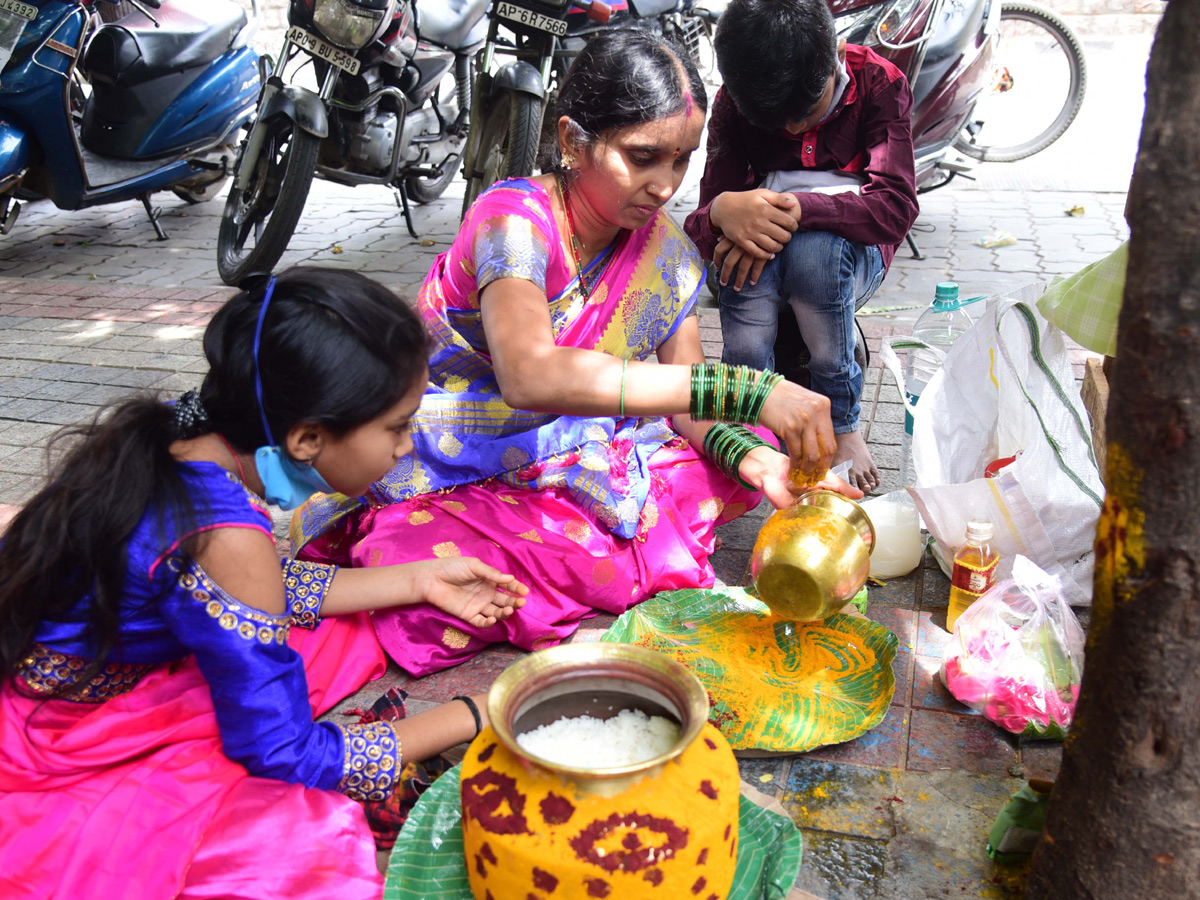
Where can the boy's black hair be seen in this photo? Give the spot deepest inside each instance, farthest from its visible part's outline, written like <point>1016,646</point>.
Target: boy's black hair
<point>622,78</point>
<point>337,349</point>
<point>775,57</point>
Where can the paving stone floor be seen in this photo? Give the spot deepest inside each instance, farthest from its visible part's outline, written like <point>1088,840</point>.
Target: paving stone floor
<point>92,307</point>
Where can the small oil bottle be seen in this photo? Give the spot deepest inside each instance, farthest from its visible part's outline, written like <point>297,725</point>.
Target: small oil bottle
<point>974,570</point>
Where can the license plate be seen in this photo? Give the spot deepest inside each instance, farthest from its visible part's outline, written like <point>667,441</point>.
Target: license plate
<point>14,16</point>
<point>322,50</point>
<point>531,18</point>
<point>24,10</point>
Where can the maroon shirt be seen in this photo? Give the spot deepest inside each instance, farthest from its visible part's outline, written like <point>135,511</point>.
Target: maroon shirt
<point>868,134</point>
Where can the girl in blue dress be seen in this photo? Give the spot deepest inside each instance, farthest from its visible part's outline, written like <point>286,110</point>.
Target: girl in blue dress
<point>160,667</point>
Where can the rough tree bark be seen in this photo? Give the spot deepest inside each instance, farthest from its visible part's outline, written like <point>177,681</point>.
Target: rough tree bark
<point>1124,819</point>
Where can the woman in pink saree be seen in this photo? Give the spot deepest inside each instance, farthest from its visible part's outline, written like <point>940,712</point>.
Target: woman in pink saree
<point>555,439</point>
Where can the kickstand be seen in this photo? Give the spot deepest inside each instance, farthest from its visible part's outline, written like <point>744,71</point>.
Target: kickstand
<point>153,214</point>
<point>912,245</point>
<point>402,202</point>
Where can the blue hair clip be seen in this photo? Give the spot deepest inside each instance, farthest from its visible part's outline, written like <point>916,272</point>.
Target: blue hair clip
<point>258,389</point>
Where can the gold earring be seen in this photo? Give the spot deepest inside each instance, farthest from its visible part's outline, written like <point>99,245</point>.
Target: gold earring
<point>568,161</point>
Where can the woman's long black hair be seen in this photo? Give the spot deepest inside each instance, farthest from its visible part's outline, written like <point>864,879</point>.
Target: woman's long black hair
<point>337,349</point>
<point>622,78</point>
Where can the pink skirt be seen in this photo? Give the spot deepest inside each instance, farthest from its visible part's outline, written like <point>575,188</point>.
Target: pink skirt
<point>572,563</point>
<point>135,798</point>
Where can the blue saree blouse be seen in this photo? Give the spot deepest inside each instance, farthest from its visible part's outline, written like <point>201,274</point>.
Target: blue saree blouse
<point>172,609</point>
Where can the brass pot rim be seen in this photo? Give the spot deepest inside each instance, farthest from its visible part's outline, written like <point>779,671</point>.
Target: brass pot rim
<point>866,532</point>
<point>627,661</point>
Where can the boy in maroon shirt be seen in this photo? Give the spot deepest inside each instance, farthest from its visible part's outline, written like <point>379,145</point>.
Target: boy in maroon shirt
<point>807,190</point>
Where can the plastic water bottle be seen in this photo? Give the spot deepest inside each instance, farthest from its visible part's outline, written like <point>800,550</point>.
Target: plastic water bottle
<point>939,326</point>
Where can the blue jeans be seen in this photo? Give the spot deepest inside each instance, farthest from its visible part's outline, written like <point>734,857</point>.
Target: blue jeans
<point>825,279</point>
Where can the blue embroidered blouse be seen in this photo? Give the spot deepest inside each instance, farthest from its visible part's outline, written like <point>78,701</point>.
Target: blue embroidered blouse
<point>171,609</point>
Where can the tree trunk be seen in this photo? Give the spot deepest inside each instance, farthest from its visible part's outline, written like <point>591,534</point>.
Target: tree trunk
<point>1124,819</point>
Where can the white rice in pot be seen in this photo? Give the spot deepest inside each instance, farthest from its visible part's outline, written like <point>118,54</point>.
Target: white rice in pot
<point>629,737</point>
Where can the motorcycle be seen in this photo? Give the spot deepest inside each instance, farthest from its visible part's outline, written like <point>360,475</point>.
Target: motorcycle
<point>391,107</point>
<point>544,37</point>
<point>94,113</point>
<point>963,60</point>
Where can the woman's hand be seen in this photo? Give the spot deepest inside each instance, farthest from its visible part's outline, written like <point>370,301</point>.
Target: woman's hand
<point>767,469</point>
<point>770,471</point>
<point>471,590</point>
<point>838,486</point>
<point>801,418</point>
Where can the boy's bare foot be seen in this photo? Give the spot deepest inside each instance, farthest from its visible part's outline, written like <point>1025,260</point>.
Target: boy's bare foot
<point>863,474</point>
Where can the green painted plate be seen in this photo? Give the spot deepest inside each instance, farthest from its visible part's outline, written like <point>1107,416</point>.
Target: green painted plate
<point>773,684</point>
<point>428,862</point>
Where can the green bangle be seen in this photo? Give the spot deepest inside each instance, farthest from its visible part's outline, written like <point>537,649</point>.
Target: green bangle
<point>758,395</point>
<point>727,445</point>
<point>624,366</point>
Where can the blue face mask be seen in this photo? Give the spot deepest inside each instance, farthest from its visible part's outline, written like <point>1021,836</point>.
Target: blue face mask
<point>286,483</point>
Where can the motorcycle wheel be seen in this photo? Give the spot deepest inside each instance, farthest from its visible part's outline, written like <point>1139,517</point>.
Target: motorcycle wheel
<point>266,212</point>
<point>1038,55</point>
<point>508,143</point>
<point>426,190</point>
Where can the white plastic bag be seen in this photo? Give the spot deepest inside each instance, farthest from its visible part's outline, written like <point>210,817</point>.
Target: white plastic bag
<point>1007,389</point>
<point>1017,655</point>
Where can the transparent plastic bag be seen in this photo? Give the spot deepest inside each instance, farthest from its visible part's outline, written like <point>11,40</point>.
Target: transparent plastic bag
<point>1017,655</point>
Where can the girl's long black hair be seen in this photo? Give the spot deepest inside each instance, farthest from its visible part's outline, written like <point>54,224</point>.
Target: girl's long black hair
<point>337,349</point>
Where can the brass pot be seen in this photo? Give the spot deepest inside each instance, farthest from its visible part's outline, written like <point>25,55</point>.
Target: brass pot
<point>847,509</point>
<point>575,832</point>
<point>808,563</point>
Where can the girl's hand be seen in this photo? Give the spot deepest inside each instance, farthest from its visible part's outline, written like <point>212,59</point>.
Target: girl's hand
<point>801,418</point>
<point>471,590</point>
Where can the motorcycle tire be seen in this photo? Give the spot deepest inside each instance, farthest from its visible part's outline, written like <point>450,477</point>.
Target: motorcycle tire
<point>1061,33</point>
<point>271,206</point>
<point>425,190</point>
<point>508,143</point>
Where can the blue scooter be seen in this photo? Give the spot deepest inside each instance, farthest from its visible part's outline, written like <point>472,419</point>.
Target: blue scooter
<point>96,112</point>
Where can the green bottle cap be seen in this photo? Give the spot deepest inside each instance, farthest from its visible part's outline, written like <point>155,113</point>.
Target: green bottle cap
<point>946,296</point>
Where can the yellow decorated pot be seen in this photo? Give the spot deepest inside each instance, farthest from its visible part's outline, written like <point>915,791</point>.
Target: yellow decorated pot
<point>536,830</point>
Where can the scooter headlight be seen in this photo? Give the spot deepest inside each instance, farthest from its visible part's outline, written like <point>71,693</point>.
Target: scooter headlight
<point>351,24</point>
<point>880,25</point>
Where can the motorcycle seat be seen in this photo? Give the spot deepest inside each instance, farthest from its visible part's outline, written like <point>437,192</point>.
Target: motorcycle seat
<point>192,33</point>
<point>451,22</point>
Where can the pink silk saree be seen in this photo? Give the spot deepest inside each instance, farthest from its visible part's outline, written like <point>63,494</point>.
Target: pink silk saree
<point>134,798</point>
<point>594,514</point>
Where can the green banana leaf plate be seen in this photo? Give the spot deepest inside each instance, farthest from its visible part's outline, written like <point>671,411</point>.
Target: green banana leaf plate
<point>773,685</point>
<point>428,863</point>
